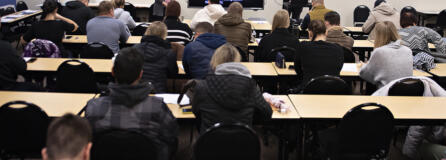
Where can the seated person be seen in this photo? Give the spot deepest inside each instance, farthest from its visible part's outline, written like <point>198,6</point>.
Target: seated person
<point>160,61</point>
<point>382,12</point>
<point>123,15</point>
<point>279,37</point>
<point>229,95</point>
<point>197,54</point>
<point>51,27</point>
<point>211,13</point>
<point>317,57</point>
<point>129,104</point>
<point>390,60</point>
<point>105,29</point>
<point>68,137</point>
<point>317,13</point>
<point>335,33</point>
<point>79,12</point>
<point>177,31</point>
<point>234,28</point>
<point>157,11</point>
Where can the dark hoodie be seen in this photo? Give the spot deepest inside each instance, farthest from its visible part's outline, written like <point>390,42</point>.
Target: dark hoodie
<point>278,38</point>
<point>11,65</point>
<point>235,29</point>
<point>197,55</point>
<point>80,14</point>
<point>160,62</point>
<point>130,107</point>
<point>229,96</point>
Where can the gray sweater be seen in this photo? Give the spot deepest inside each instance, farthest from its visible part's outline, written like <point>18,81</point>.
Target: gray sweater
<point>388,63</point>
<point>107,30</point>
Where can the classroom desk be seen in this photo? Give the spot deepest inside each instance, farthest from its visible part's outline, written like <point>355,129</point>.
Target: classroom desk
<point>51,64</point>
<point>256,25</point>
<point>54,104</point>
<point>290,114</point>
<point>138,6</point>
<point>5,20</point>
<point>353,29</point>
<point>256,69</point>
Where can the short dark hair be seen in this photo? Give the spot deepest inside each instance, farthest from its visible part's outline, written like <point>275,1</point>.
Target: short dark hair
<point>317,27</point>
<point>173,9</point>
<point>333,18</point>
<point>105,7</point>
<point>48,7</point>
<point>215,1</point>
<point>204,27</point>
<point>408,19</point>
<point>128,65</point>
<point>67,136</point>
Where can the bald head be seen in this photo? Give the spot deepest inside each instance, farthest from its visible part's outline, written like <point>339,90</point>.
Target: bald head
<point>235,8</point>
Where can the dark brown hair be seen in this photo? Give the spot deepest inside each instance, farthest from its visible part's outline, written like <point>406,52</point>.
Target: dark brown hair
<point>408,19</point>
<point>173,9</point>
<point>105,7</point>
<point>317,27</point>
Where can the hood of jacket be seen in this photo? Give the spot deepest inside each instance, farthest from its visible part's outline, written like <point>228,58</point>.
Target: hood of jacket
<point>231,86</point>
<point>211,40</point>
<point>129,95</point>
<point>214,11</point>
<point>231,19</point>
<point>395,45</point>
<point>153,47</point>
<point>385,9</point>
<point>335,32</point>
<point>74,4</point>
<point>118,12</point>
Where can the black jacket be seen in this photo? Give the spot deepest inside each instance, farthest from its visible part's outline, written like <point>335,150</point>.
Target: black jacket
<point>228,99</point>
<point>160,62</point>
<point>278,38</point>
<point>80,14</point>
<point>11,65</point>
<point>318,58</point>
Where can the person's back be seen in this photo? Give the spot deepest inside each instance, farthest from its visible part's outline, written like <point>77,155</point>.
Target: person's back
<point>381,13</point>
<point>122,15</point>
<point>79,12</point>
<point>157,11</point>
<point>11,65</point>
<point>335,33</point>
<point>211,13</point>
<point>177,31</point>
<point>317,13</point>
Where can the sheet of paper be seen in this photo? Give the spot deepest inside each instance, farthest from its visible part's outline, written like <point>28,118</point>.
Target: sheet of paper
<point>173,98</point>
<point>350,67</point>
<point>26,59</point>
<point>6,20</point>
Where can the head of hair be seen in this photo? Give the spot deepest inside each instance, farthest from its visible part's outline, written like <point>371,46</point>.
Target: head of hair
<point>214,1</point>
<point>204,27</point>
<point>408,19</point>
<point>385,32</point>
<point>317,27</point>
<point>225,54</point>
<point>67,136</point>
<point>49,6</point>
<point>157,29</point>
<point>235,8</point>
<point>128,65</point>
<point>173,9</point>
<point>105,7</point>
<point>118,3</point>
<point>378,2</point>
<point>281,20</point>
<point>333,18</point>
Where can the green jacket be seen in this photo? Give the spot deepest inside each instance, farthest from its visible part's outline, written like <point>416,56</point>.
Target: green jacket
<point>318,13</point>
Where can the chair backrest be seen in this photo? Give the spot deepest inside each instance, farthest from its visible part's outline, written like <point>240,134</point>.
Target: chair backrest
<point>21,5</point>
<point>230,141</point>
<point>129,7</point>
<point>122,144</point>
<point>288,52</point>
<point>76,77</point>
<point>41,48</point>
<point>328,85</point>
<point>408,9</point>
<point>407,87</point>
<point>9,10</point>
<point>349,57</point>
<point>360,15</point>
<point>97,50</point>
<point>365,132</point>
<point>441,19</point>
<point>2,11</point>
<point>140,29</point>
<point>23,129</point>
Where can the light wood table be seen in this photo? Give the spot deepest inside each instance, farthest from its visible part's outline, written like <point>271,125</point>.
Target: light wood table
<point>256,69</point>
<point>4,20</point>
<point>290,114</point>
<point>51,64</point>
<point>82,39</point>
<point>260,25</point>
<point>291,72</point>
<point>54,104</point>
<point>353,29</point>
<point>141,6</point>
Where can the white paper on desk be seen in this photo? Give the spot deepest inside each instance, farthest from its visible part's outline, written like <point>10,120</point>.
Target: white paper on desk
<point>173,98</point>
<point>259,22</point>
<point>350,67</point>
<point>29,11</point>
<point>13,16</point>
<point>6,20</point>
<point>26,59</point>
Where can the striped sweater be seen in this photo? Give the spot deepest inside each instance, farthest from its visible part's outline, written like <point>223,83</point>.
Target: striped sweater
<point>418,38</point>
<point>177,31</point>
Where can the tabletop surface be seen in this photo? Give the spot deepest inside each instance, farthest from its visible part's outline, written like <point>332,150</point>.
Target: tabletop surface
<point>51,64</point>
<point>14,17</point>
<point>256,69</point>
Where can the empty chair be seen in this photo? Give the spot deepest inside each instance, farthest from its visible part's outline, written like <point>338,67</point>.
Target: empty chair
<point>122,144</point>
<point>76,77</point>
<point>9,10</point>
<point>230,141</point>
<point>408,9</point>
<point>23,132</point>
<point>140,29</point>
<point>97,50</point>
<point>349,56</point>
<point>129,7</point>
<point>328,85</point>
<point>364,132</point>
<point>441,22</point>
<point>360,15</point>
<point>21,5</point>
<point>407,87</point>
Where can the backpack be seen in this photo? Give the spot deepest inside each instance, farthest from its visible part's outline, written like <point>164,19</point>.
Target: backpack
<point>41,48</point>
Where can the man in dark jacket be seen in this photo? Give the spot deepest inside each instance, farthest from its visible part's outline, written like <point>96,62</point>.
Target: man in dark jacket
<point>197,55</point>
<point>11,65</point>
<point>130,107</point>
<point>79,12</point>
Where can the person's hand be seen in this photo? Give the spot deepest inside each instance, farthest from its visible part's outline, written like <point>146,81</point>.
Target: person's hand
<point>360,64</point>
<point>165,4</point>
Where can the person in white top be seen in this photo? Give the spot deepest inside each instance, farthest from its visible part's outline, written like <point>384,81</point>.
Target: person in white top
<point>123,15</point>
<point>210,13</point>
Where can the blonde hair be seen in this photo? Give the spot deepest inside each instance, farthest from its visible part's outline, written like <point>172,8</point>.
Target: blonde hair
<point>118,3</point>
<point>157,29</point>
<point>385,32</point>
<point>281,20</point>
<point>224,54</point>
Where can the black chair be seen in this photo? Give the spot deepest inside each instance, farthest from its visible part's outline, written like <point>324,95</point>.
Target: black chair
<point>2,11</point>
<point>21,5</point>
<point>9,10</point>
<point>360,15</point>
<point>132,10</point>
<point>122,144</point>
<point>76,77</point>
<point>327,85</point>
<point>364,132</point>
<point>140,29</point>
<point>409,9</point>
<point>288,52</point>
<point>231,141</point>
<point>441,22</point>
<point>407,87</point>
<point>349,56</point>
<point>97,50</point>
<point>23,132</point>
